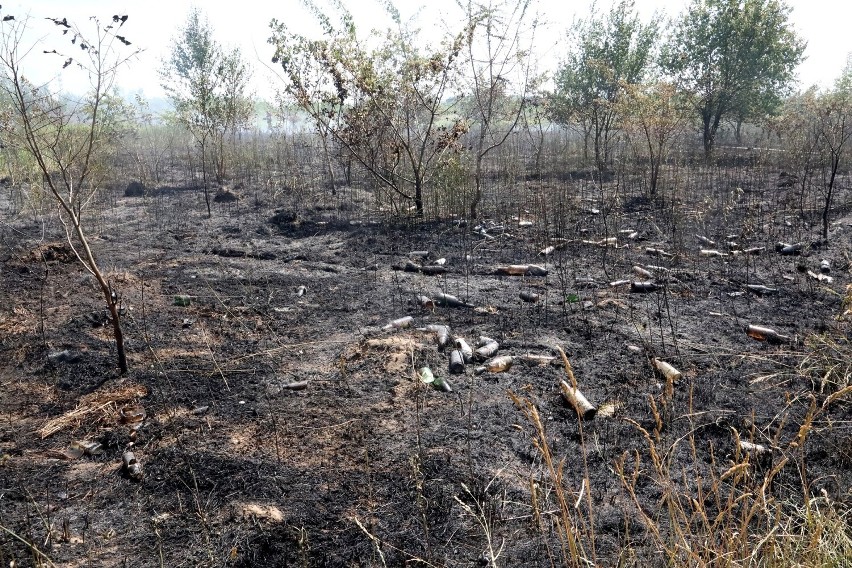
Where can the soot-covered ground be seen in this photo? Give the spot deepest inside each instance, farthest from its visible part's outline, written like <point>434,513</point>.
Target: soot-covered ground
<point>363,464</point>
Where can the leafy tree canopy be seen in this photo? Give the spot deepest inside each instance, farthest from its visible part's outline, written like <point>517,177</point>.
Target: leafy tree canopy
<point>384,104</point>
<point>607,52</point>
<point>737,56</point>
<point>208,86</point>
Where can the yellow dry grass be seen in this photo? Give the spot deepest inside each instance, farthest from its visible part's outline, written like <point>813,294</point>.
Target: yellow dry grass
<point>18,320</point>
<point>98,405</point>
<point>259,511</point>
<point>846,305</point>
<point>395,351</point>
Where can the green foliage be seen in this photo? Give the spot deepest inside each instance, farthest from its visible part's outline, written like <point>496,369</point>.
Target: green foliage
<point>737,56</point>
<point>70,140</point>
<point>74,138</point>
<point>152,137</point>
<point>117,122</point>
<point>451,182</point>
<point>834,124</point>
<point>384,104</point>
<point>843,83</point>
<point>607,52</point>
<point>654,114</point>
<point>208,87</point>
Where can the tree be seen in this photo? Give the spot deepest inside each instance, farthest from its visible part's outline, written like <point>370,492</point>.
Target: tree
<point>816,131</point>
<point>501,76</point>
<point>208,89</point>
<point>737,56</point>
<point>798,133</point>
<point>835,128</point>
<point>606,53</point>
<point>655,113</point>
<point>149,142</point>
<point>308,86</point>
<point>69,137</point>
<point>385,105</point>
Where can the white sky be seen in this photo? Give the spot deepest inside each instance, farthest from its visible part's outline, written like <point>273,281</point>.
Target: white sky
<point>152,24</point>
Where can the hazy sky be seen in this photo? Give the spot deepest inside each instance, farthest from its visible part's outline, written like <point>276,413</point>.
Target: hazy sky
<point>152,24</point>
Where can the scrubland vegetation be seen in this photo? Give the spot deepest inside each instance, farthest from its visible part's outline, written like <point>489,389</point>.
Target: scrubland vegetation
<point>196,362</point>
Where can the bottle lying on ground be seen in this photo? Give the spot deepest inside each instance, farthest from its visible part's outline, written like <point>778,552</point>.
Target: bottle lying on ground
<point>442,333</point>
<point>658,252</point>
<point>639,271</point>
<point>643,287</point>
<point>399,323</point>
<point>487,348</point>
<point>465,349</point>
<point>578,401</point>
<point>767,334</point>
<point>529,296</point>
<point>496,365</point>
<point>433,270</point>
<point>667,370</point>
<point>789,249</point>
<point>450,301</point>
<point>427,377</point>
<point>456,362</point>
<point>521,270</point>
<point>761,290</point>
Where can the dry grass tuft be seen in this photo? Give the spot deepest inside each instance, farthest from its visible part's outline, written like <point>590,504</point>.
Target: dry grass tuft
<point>719,507</point>
<point>103,406</point>
<point>395,351</point>
<point>846,305</point>
<point>828,361</point>
<point>56,251</point>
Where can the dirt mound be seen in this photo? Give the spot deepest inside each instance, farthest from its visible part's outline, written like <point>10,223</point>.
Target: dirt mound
<point>395,354</point>
<point>135,189</point>
<point>57,251</point>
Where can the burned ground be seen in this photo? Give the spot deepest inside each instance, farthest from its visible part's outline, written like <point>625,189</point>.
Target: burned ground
<point>367,465</point>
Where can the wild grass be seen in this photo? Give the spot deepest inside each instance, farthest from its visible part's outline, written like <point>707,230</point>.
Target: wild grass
<point>750,504</point>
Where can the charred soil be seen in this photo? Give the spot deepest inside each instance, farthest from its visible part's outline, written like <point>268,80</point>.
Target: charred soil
<point>281,425</point>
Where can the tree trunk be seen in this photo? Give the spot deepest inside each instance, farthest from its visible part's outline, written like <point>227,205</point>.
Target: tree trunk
<point>109,295</point>
<point>655,174</point>
<point>835,164</point>
<point>116,331</point>
<point>598,132</point>
<point>328,164</point>
<point>477,176</point>
<point>708,138</point>
<point>204,181</point>
<point>477,191</point>
<point>219,156</point>
<point>418,196</point>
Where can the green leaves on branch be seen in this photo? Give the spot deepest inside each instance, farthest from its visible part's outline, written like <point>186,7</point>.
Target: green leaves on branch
<point>815,129</point>
<point>382,100</point>
<point>607,52</point>
<point>737,56</point>
<point>655,114</point>
<point>208,87</point>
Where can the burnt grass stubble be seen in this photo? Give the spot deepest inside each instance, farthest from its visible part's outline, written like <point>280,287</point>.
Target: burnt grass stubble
<point>240,470</point>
